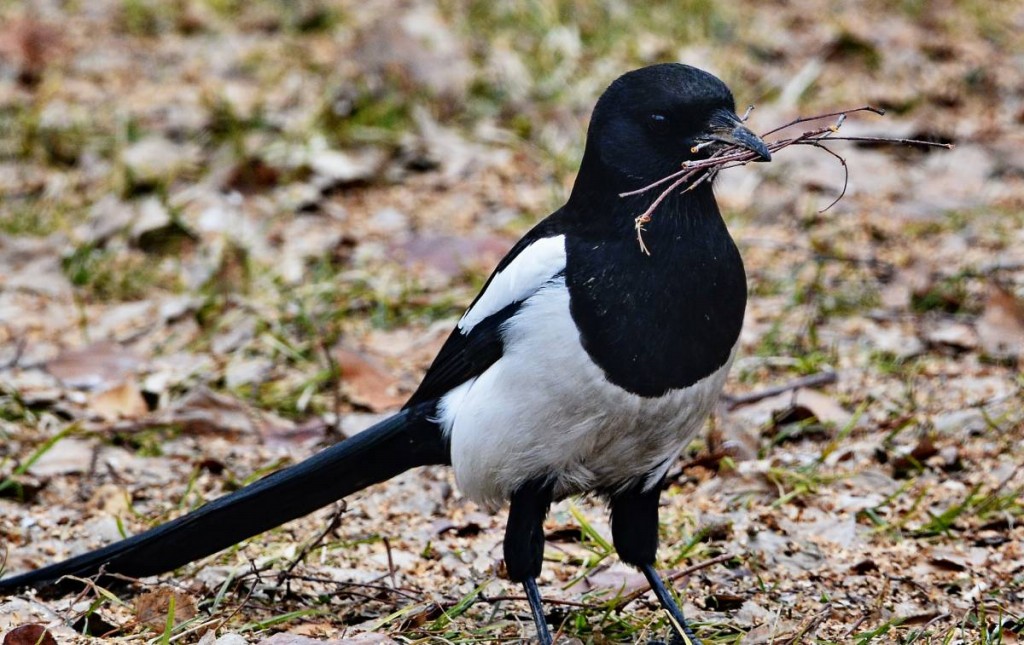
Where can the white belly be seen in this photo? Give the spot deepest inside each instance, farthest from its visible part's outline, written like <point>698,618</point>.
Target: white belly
<point>545,409</point>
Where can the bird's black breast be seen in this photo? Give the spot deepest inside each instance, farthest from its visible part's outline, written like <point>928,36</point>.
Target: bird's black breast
<point>664,321</point>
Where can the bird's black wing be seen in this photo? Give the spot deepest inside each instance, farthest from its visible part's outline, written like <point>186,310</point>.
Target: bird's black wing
<point>468,353</point>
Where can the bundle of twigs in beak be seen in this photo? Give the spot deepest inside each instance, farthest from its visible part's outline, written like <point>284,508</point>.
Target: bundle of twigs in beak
<point>695,172</point>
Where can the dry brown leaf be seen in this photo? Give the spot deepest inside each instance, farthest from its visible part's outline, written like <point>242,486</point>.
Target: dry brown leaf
<point>615,579</point>
<point>450,256</point>
<point>94,366</point>
<point>957,335</point>
<point>67,456</point>
<point>122,401</point>
<point>152,608</point>
<point>1001,325</point>
<point>797,405</point>
<point>366,381</point>
<point>31,634</point>
<point>770,632</point>
<point>33,45</point>
<point>203,411</point>
<point>732,438</point>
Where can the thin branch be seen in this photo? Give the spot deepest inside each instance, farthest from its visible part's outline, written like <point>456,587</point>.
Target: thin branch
<point>391,561</point>
<point>695,172</point>
<point>398,591</point>
<point>332,525</point>
<point>253,571</point>
<point>846,175</point>
<point>808,119</point>
<point>908,142</point>
<point>672,577</point>
<point>811,380</point>
<point>809,627</point>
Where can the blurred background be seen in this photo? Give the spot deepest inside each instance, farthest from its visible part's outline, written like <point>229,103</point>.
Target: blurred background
<point>231,231</point>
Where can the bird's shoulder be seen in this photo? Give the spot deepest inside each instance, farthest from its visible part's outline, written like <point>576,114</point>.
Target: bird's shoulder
<point>476,342</point>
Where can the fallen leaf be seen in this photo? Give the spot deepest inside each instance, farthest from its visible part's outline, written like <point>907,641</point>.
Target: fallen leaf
<point>723,601</point>
<point>774,631</point>
<point>31,634</point>
<point>122,401</point>
<point>23,488</point>
<point>904,465</point>
<point>957,335</point>
<point>948,562</point>
<point>366,382</point>
<point>616,579</point>
<point>229,638</point>
<point>95,366</point>
<point>449,256</point>
<point>1001,325</point>
<point>799,405</point>
<point>204,411</point>
<point>67,456</point>
<point>156,159</point>
<point>152,608</point>
<point>864,566</point>
<point>336,167</point>
<point>730,438</point>
<point>419,46</point>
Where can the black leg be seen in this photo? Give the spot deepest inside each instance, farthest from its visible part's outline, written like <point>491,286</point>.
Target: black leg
<point>635,533</point>
<point>524,545</point>
<point>533,594</point>
<point>675,614</point>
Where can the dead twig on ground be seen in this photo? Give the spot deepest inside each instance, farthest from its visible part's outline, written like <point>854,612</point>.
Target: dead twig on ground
<point>332,525</point>
<point>809,627</point>
<point>253,571</point>
<point>811,380</point>
<point>398,591</point>
<point>672,577</point>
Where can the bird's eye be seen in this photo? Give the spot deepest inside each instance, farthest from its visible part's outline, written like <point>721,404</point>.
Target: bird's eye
<point>657,121</point>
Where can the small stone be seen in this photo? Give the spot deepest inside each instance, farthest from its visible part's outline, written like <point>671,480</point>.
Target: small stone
<point>156,160</point>
<point>389,220</point>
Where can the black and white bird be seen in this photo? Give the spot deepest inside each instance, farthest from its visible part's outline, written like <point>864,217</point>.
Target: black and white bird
<point>584,366</point>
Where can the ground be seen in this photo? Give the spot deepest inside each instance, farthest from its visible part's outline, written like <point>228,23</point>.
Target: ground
<point>231,233</point>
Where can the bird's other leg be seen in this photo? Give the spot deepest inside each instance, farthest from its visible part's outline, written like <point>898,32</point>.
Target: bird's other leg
<point>635,534</point>
<point>524,545</point>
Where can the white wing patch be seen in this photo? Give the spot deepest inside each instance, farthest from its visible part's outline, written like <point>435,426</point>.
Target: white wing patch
<point>534,266</point>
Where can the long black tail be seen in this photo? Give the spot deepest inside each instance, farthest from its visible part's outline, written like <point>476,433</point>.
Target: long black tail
<point>401,442</point>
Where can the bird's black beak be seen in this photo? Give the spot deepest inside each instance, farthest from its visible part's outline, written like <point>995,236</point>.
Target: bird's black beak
<point>726,127</point>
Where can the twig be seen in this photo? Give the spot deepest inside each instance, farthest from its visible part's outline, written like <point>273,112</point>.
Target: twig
<point>398,591</point>
<point>695,172</point>
<point>254,571</point>
<point>19,350</point>
<point>672,577</point>
<point>829,115</point>
<point>846,175</point>
<point>391,561</point>
<point>333,429</point>
<point>809,627</point>
<point>857,623</point>
<point>907,142</point>
<point>811,380</point>
<point>332,525</point>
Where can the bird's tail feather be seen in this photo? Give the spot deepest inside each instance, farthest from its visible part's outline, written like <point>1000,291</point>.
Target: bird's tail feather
<point>404,441</point>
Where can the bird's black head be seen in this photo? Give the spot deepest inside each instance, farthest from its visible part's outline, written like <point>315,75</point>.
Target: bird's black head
<point>647,121</point>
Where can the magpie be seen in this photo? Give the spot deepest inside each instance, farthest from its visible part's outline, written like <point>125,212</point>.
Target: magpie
<point>584,366</point>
